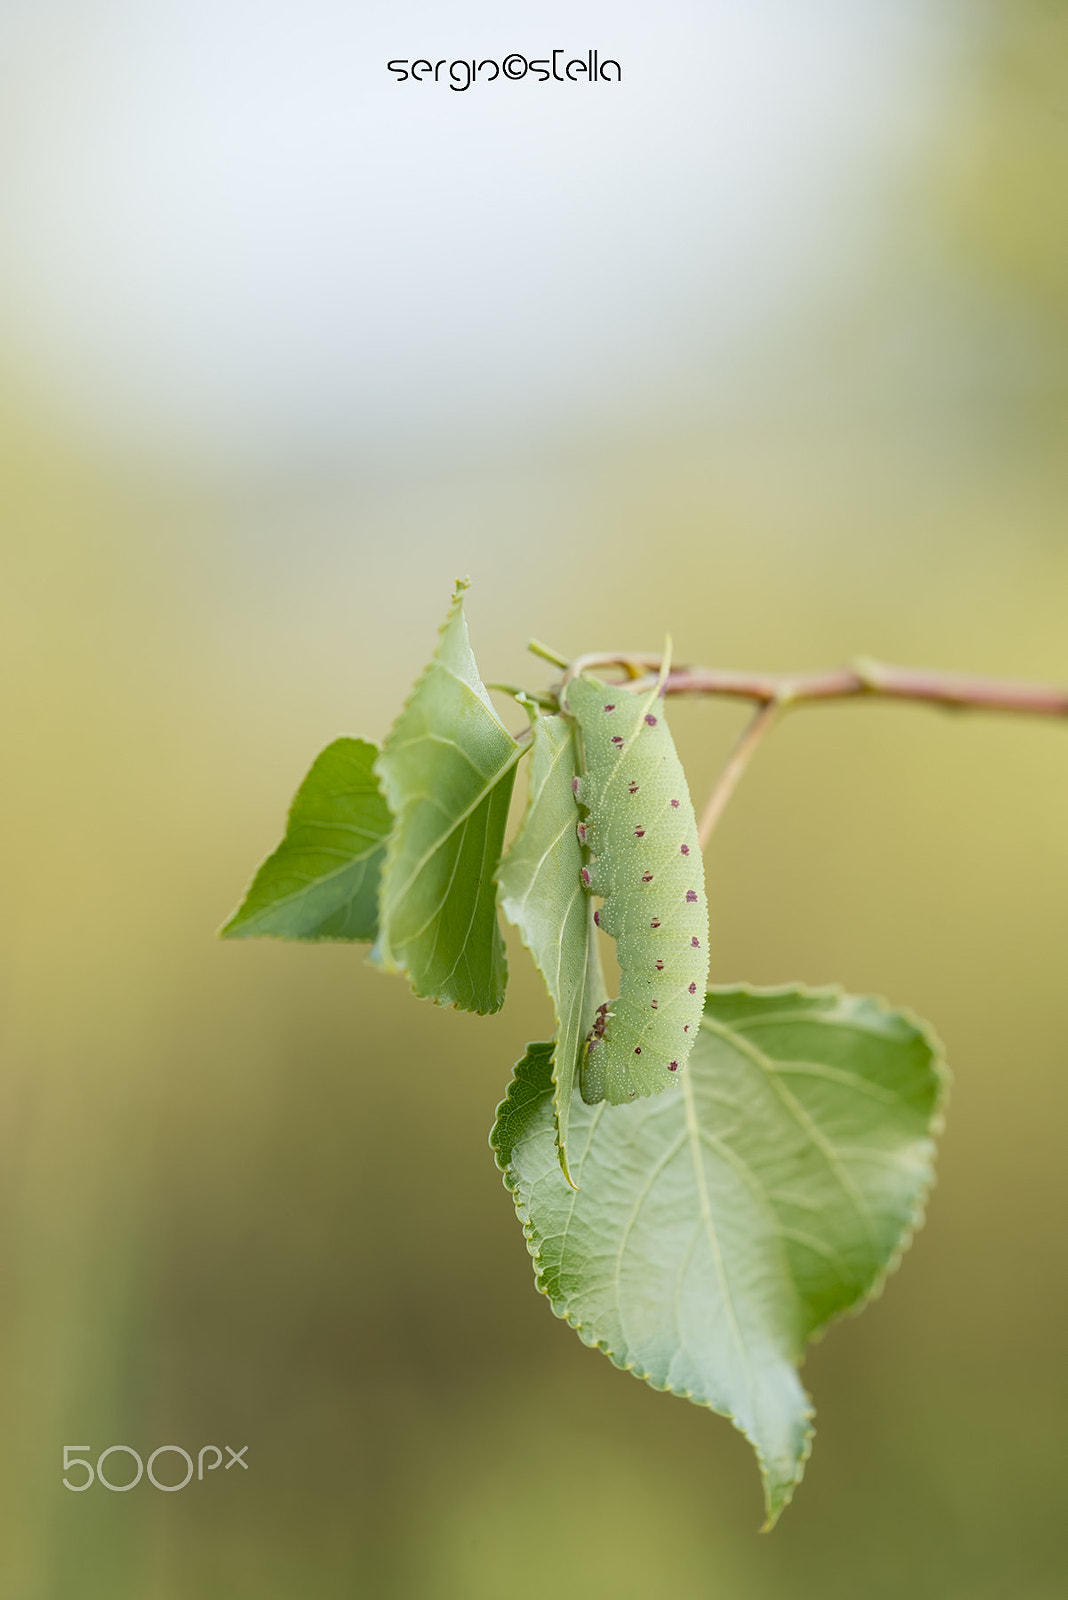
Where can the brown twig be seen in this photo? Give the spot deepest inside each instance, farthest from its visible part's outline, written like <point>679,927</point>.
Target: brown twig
<point>872,679</point>
<point>774,693</point>
<point>877,681</point>
<point>636,664</point>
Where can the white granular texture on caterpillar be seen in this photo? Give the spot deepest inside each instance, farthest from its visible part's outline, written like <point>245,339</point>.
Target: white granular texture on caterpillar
<point>643,858</point>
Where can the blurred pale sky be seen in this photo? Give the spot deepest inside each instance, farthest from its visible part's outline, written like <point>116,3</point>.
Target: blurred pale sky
<point>232,237</point>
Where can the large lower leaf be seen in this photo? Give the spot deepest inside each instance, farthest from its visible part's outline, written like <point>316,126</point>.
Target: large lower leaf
<point>541,892</point>
<point>447,769</point>
<point>717,1230</point>
<point>322,881</point>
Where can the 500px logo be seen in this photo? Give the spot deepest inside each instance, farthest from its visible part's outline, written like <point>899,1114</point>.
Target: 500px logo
<point>70,1460</point>
<point>463,73</point>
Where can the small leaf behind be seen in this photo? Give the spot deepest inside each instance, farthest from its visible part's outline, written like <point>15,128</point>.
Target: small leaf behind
<point>322,881</point>
<point>520,1115</point>
<point>541,893</point>
<point>447,769</point>
<point>718,1230</point>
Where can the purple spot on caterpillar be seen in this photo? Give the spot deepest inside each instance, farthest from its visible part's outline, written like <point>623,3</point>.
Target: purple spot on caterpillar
<point>637,1049</point>
<point>655,1005</point>
<point>673,1066</point>
<point>597,918</point>
<point>655,923</point>
<point>585,876</point>
<point>651,721</point>
<point>632,788</point>
<point>647,877</point>
<point>696,943</point>
<point>574,786</point>
<point>675,803</point>
<point>686,1029</point>
<point>691,894</point>
<point>660,966</point>
<point>610,708</point>
<point>639,833</point>
<point>581,831</point>
<point>685,849</point>
<point>617,738</point>
<point>693,988</point>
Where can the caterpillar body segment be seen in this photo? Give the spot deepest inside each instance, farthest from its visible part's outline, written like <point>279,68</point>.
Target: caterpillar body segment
<point>637,824</point>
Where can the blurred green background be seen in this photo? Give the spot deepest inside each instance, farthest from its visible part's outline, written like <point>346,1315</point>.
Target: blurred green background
<point>247,1195</point>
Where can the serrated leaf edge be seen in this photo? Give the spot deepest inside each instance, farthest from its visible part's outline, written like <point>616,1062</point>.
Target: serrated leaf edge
<point>936,1125</point>
<point>560,1310</point>
<point>915,1222</point>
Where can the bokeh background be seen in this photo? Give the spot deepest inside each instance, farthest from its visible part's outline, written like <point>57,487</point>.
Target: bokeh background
<point>767,346</point>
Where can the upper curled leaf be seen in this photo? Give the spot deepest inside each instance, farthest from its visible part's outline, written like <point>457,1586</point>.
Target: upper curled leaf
<point>447,769</point>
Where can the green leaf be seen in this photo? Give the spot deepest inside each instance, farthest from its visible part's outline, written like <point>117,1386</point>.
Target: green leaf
<point>520,1114</point>
<point>718,1230</point>
<point>541,893</point>
<point>447,769</point>
<point>322,881</point>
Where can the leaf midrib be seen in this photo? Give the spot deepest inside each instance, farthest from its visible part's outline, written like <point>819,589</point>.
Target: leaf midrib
<point>316,882</point>
<point>694,1132</point>
<point>397,895</point>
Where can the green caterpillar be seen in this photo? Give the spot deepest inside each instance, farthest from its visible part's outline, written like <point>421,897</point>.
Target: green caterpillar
<point>639,830</point>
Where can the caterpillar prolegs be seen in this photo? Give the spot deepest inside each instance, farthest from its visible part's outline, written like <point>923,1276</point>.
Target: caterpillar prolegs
<point>638,828</point>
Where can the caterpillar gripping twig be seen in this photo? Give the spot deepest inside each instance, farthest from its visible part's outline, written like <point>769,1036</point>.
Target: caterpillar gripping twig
<point>637,825</point>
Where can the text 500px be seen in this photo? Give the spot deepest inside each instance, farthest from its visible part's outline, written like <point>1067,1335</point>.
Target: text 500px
<point>73,1459</point>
